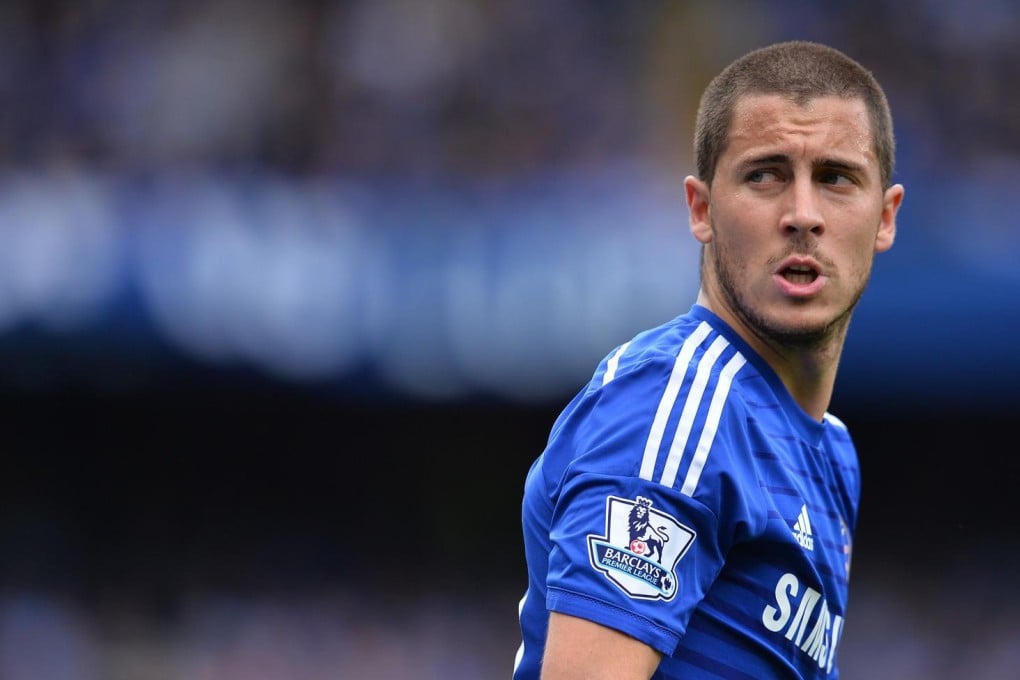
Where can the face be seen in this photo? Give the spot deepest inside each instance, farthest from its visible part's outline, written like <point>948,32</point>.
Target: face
<point>793,218</point>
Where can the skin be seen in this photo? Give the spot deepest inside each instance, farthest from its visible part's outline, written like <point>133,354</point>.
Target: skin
<point>578,649</point>
<point>789,225</point>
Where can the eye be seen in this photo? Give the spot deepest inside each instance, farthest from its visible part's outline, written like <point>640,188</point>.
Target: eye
<point>834,177</point>
<point>762,176</point>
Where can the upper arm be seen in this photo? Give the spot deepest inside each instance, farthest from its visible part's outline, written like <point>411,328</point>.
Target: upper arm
<point>579,649</point>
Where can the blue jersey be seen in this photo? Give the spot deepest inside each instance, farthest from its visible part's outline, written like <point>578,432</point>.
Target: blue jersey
<point>685,499</point>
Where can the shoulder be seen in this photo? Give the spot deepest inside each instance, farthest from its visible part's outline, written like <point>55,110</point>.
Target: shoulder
<point>840,446</point>
<point>839,441</point>
<point>673,388</point>
<point>689,344</point>
<point>659,402</point>
<point>685,366</point>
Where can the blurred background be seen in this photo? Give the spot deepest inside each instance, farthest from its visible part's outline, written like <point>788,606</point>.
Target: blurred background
<point>291,293</point>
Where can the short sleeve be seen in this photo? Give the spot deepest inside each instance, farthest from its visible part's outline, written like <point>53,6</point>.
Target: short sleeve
<point>631,555</point>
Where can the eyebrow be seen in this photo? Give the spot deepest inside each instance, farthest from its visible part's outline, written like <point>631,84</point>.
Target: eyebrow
<point>834,164</point>
<point>781,158</point>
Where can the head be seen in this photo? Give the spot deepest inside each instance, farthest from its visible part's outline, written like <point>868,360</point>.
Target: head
<point>794,150</point>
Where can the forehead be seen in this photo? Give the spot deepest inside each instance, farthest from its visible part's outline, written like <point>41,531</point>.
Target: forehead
<point>822,126</point>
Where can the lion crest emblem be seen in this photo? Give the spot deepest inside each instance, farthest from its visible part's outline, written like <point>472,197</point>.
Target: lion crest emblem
<point>645,539</point>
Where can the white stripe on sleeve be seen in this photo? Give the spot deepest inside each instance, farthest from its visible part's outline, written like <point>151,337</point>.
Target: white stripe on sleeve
<point>691,405</point>
<point>676,379</point>
<point>722,390</point>
<point>614,363</point>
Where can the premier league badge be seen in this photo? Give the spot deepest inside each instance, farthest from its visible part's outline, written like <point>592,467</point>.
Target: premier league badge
<point>641,548</point>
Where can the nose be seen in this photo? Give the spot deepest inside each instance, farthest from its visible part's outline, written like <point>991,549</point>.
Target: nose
<point>802,214</point>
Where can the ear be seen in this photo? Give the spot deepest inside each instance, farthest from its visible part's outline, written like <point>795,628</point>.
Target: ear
<point>698,195</point>
<point>887,226</point>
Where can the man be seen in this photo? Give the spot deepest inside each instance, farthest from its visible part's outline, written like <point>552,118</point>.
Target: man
<point>692,513</point>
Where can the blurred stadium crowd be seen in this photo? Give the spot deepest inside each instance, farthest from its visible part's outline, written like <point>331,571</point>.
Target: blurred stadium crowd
<point>434,199</point>
<point>445,198</point>
<point>473,90</point>
<point>364,89</point>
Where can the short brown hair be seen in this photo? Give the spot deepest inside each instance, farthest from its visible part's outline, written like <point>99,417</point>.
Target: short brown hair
<point>799,70</point>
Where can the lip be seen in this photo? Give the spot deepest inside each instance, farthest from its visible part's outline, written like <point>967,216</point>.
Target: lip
<point>800,290</point>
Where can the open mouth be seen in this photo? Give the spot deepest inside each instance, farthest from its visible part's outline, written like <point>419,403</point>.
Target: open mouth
<point>799,274</point>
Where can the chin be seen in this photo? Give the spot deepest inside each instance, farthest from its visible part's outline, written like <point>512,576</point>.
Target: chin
<point>805,326</point>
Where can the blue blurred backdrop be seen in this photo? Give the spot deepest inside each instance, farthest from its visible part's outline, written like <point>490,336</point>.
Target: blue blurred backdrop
<point>290,294</point>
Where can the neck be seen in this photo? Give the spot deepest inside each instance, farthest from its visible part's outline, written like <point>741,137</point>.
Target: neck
<point>809,376</point>
<point>808,370</point>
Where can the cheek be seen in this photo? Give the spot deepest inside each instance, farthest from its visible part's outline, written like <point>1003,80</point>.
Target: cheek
<point>859,254</point>
<point>868,243</point>
<point>739,227</point>
<point>857,232</point>
<point>740,242</point>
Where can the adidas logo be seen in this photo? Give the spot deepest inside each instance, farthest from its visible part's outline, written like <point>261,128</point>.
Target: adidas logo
<point>802,530</point>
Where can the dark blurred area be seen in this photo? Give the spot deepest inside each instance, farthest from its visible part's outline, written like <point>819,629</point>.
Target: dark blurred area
<point>291,293</point>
